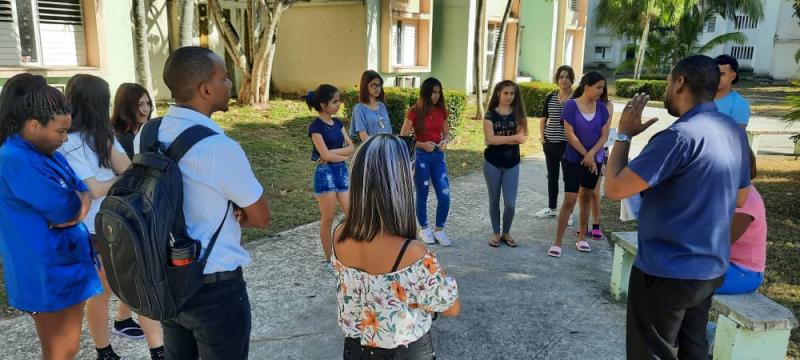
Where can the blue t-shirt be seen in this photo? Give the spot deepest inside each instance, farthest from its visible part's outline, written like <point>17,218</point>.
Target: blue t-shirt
<point>46,269</point>
<point>588,131</point>
<point>371,121</point>
<point>331,134</point>
<point>694,169</point>
<point>735,106</point>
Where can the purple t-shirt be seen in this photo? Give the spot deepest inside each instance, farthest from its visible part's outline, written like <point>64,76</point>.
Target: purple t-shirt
<point>588,132</point>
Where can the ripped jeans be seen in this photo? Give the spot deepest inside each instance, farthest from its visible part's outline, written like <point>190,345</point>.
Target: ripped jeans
<point>430,168</point>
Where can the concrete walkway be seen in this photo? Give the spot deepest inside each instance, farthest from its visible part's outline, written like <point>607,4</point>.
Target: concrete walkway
<point>516,303</point>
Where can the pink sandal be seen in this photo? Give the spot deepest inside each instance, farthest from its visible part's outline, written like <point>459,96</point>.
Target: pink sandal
<point>554,251</point>
<point>597,234</point>
<point>583,246</point>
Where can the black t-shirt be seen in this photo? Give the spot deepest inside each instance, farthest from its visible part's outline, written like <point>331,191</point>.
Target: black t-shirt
<point>506,155</point>
<point>126,140</point>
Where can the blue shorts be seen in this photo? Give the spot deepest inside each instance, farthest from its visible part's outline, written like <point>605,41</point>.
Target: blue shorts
<point>740,280</point>
<point>331,177</point>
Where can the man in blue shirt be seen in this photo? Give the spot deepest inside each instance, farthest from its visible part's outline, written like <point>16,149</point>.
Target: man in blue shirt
<point>728,101</point>
<point>215,322</point>
<point>692,175</point>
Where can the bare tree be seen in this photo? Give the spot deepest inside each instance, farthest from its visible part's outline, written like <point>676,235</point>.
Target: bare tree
<point>173,24</point>
<point>143,74</point>
<point>254,58</point>
<point>501,37</point>
<point>187,23</point>
<point>479,56</point>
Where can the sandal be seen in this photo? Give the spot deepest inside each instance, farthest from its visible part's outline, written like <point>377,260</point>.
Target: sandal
<point>583,246</point>
<point>597,234</point>
<point>554,251</point>
<point>509,241</point>
<point>495,241</point>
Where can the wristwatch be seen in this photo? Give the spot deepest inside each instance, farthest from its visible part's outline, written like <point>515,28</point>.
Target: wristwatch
<point>623,138</point>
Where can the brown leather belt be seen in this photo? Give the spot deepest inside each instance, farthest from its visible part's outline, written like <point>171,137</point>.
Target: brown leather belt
<point>222,276</point>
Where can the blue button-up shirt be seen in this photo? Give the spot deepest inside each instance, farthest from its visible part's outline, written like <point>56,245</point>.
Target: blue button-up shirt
<point>694,169</point>
<point>46,269</point>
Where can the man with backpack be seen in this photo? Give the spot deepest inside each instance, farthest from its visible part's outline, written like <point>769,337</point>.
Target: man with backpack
<point>220,196</point>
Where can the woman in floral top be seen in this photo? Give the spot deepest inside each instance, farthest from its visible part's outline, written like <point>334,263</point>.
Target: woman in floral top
<point>389,284</point>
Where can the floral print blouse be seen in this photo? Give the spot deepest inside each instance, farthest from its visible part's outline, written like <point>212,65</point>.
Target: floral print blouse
<point>394,309</point>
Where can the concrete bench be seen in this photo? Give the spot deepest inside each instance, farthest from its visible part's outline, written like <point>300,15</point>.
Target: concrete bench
<point>750,326</point>
<point>754,136</point>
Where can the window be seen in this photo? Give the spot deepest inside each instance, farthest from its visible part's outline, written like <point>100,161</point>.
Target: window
<point>711,25</point>
<point>404,43</point>
<point>405,40</point>
<point>602,52</point>
<point>573,5</point>
<point>493,35</point>
<point>47,32</point>
<point>745,22</point>
<point>742,52</point>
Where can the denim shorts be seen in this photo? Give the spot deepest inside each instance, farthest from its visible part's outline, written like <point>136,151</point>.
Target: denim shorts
<point>331,177</point>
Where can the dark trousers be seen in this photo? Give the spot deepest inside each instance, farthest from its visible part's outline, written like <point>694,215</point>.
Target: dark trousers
<point>553,152</point>
<point>214,324</point>
<point>422,349</point>
<point>667,317</point>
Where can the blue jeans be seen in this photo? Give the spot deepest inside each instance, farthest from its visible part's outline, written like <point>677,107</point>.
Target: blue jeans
<point>431,168</point>
<point>740,280</point>
<point>331,177</point>
<point>214,324</point>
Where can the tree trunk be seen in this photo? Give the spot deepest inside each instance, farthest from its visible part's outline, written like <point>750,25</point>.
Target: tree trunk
<point>637,72</point>
<point>187,23</point>
<point>500,39</point>
<point>173,24</point>
<point>478,56</point>
<point>143,74</point>
<point>234,48</point>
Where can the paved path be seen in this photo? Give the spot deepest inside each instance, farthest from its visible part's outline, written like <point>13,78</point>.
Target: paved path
<point>516,303</point>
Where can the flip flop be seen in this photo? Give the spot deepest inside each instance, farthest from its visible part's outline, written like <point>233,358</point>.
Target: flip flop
<point>494,242</point>
<point>509,241</point>
<point>597,234</point>
<point>554,251</point>
<point>583,246</point>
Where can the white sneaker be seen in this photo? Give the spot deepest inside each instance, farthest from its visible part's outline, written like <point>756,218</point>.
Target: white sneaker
<point>442,238</point>
<point>571,221</point>
<point>426,235</point>
<point>545,213</point>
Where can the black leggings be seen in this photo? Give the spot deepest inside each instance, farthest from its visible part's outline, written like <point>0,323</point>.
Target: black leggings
<point>553,152</point>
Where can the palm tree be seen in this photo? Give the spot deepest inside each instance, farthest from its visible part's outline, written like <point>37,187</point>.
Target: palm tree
<point>634,18</point>
<point>688,30</point>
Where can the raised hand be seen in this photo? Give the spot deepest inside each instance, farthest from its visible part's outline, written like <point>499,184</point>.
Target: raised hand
<point>630,123</point>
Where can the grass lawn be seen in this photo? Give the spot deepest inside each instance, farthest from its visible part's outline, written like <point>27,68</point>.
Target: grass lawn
<point>778,182</point>
<point>277,144</point>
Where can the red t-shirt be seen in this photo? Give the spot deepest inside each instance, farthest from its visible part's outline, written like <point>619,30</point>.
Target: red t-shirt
<point>435,122</point>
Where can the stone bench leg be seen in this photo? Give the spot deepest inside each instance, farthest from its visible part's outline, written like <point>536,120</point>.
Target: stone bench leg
<point>621,273</point>
<point>734,342</point>
<point>755,140</point>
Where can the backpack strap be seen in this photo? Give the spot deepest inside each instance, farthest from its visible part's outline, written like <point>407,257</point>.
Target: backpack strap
<point>216,234</point>
<point>186,140</point>
<point>400,255</point>
<point>148,141</point>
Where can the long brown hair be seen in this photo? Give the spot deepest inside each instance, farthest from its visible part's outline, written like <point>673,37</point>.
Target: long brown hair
<point>125,117</point>
<point>517,105</point>
<point>363,86</point>
<point>423,106</point>
<point>89,96</point>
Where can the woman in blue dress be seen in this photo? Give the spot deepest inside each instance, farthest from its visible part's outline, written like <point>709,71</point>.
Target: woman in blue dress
<point>47,258</point>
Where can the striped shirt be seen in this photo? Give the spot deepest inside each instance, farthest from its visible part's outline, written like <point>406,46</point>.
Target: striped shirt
<point>554,128</point>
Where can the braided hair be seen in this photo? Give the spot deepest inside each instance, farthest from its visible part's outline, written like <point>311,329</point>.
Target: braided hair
<point>40,103</point>
<point>17,86</point>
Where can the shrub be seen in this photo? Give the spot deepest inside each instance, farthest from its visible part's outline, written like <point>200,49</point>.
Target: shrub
<point>629,87</point>
<point>653,77</point>
<point>533,95</point>
<point>399,100</point>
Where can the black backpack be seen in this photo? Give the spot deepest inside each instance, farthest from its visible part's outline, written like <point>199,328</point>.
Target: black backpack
<point>141,220</point>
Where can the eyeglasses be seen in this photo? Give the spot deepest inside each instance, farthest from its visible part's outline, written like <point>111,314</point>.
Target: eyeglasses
<point>375,86</point>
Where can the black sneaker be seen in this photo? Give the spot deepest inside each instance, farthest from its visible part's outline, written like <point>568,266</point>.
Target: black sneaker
<point>127,328</point>
<point>108,353</point>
